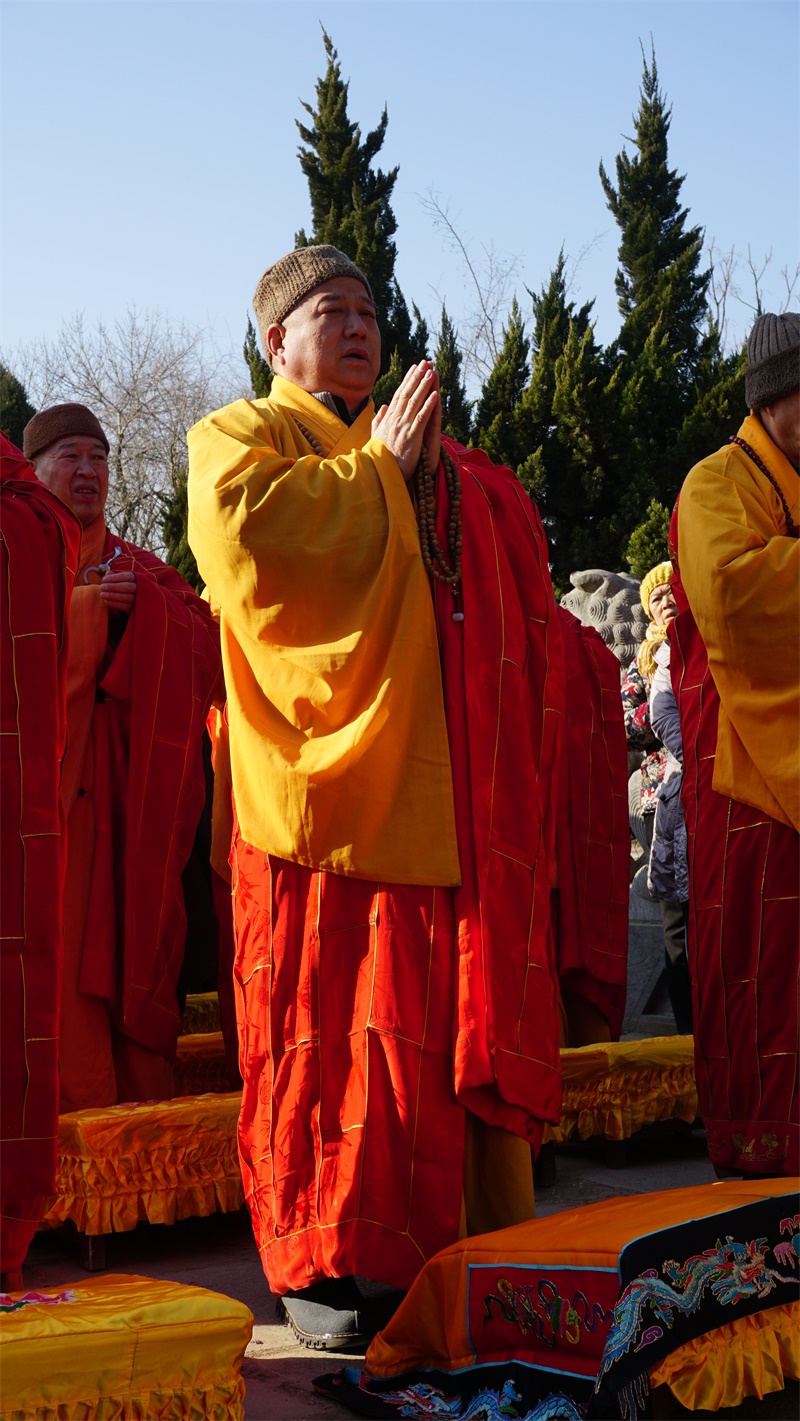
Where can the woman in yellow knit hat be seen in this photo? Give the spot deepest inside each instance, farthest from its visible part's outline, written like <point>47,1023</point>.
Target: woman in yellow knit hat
<point>646,781</point>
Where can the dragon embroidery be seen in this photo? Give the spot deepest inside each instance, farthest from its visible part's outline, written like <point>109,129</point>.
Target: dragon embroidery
<point>732,1271</point>
<point>423,1400</point>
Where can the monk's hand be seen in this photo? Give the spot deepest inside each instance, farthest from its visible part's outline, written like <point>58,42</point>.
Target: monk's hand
<point>118,591</point>
<point>432,438</point>
<point>403,422</point>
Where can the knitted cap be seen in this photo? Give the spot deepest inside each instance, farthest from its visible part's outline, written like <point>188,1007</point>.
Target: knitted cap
<point>60,422</point>
<point>773,359</point>
<point>656,577</point>
<point>286,282</point>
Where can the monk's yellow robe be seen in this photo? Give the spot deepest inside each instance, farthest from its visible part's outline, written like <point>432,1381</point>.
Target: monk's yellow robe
<point>742,583</point>
<point>298,551</point>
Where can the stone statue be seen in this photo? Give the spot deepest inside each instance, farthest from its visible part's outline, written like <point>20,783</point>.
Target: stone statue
<point>609,602</point>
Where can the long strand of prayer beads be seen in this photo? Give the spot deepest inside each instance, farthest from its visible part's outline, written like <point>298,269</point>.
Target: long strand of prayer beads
<point>434,560</point>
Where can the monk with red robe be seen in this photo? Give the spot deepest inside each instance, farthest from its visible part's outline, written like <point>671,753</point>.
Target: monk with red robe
<point>143,665</point>
<point>39,544</point>
<point>590,896</point>
<point>736,674</point>
<point>394,703</point>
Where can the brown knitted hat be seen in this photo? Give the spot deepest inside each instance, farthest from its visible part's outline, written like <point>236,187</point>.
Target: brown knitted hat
<point>286,282</point>
<point>59,422</point>
<point>773,359</point>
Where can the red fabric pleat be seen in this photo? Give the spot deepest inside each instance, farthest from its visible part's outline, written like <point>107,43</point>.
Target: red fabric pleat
<point>744,886</point>
<point>350,1137</point>
<point>39,542</point>
<point>592,828</point>
<point>149,790</point>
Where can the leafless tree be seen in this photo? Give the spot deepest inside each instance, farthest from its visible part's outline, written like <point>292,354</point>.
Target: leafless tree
<point>491,282</point>
<point>750,293</point>
<point>147,380</point>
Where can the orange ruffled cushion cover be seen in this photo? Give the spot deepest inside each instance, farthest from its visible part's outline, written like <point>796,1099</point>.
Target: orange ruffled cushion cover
<point>160,1161</point>
<point>201,1013</point>
<point>122,1349</point>
<point>201,1064</point>
<point>615,1088</point>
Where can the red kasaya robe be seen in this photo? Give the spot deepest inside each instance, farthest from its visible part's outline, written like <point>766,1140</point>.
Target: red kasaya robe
<point>39,543</point>
<point>154,689</point>
<point>590,902</point>
<point>414,1002</point>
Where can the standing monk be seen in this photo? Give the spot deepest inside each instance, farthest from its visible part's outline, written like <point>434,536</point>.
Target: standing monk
<point>143,664</point>
<point>736,674</point>
<point>391,656</point>
<point>39,543</point>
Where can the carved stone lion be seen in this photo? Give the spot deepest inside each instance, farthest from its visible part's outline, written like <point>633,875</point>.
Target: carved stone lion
<point>609,602</point>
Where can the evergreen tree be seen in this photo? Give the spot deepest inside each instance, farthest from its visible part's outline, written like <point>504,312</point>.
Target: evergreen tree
<point>174,518</point>
<point>15,407</point>
<point>560,421</point>
<point>648,544</point>
<point>350,201</point>
<point>661,288</point>
<point>260,372</point>
<point>497,427</point>
<point>456,408</point>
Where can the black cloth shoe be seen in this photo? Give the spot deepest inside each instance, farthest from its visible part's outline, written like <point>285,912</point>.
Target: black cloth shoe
<point>328,1316</point>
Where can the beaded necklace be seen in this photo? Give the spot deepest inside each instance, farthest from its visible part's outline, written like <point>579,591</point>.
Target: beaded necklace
<point>436,564</point>
<point>759,463</point>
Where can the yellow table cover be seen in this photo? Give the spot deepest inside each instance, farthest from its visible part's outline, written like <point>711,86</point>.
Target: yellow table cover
<point>160,1161</point>
<point>614,1088</point>
<point>123,1349</point>
<point>201,1013</point>
<point>201,1064</point>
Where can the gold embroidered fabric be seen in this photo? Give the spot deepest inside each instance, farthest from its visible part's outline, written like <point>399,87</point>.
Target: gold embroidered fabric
<point>201,1064</point>
<point>201,1013</point>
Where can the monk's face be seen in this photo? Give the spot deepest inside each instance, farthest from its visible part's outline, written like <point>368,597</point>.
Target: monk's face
<point>330,342</point>
<point>662,605</point>
<point>782,423</point>
<point>75,469</point>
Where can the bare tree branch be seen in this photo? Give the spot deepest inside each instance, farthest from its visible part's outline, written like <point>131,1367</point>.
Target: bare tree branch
<point>147,380</point>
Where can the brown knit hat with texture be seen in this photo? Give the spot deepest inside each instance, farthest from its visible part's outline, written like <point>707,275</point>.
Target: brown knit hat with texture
<point>773,359</point>
<point>60,422</point>
<point>286,282</point>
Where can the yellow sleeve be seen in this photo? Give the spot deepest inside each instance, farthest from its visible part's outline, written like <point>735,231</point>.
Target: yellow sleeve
<point>268,520</point>
<point>741,575</point>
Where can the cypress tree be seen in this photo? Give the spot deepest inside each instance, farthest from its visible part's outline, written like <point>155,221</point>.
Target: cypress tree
<point>456,408</point>
<point>15,407</point>
<point>497,427</point>
<point>174,518</point>
<point>661,288</point>
<point>260,372</point>
<point>351,199</point>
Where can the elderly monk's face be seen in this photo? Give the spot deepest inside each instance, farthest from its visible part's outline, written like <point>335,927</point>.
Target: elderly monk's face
<point>330,342</point>
<point>75,469</point>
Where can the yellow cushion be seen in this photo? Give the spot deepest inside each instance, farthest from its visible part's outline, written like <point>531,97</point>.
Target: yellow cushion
<point>201,1013</point>
<point>616,1087</point>
<point>129,1347</point>
<point>201,1064</point>
<point>161,1161</point>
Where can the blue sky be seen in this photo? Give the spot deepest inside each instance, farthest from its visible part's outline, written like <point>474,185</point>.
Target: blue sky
<point>149,149</point>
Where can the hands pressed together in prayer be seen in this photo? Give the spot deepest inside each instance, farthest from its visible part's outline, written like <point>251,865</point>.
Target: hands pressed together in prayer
<point>118,591</point>
<point>413,418</point>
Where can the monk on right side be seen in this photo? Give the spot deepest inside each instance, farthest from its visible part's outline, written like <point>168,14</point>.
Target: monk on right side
<point>736,675</point>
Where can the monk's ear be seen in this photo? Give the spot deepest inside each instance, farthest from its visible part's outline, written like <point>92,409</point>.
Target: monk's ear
<point>275,335</point>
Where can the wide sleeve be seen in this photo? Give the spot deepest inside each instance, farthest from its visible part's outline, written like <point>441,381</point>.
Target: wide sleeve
<point>741,576</point>
<point>268,522</point>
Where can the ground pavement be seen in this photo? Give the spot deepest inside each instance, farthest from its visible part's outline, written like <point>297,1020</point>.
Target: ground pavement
<point>219,1253</point>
